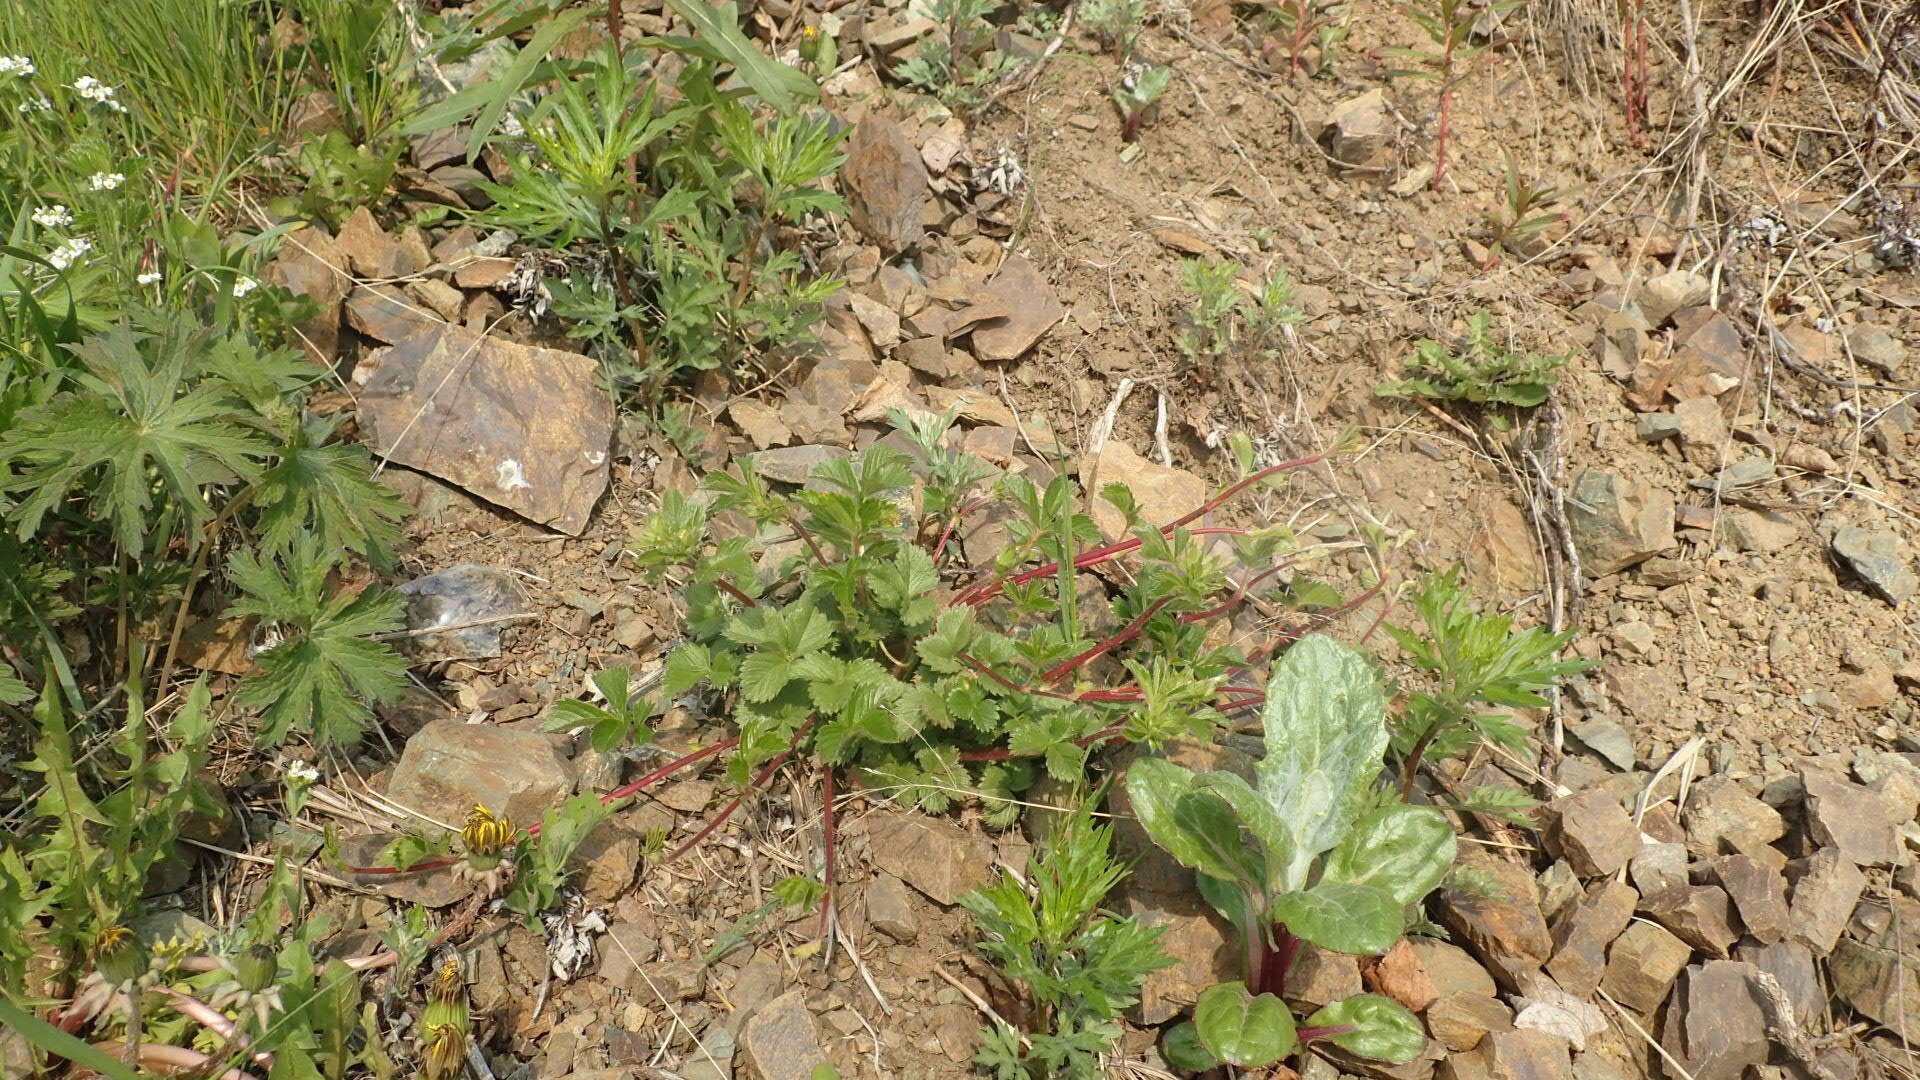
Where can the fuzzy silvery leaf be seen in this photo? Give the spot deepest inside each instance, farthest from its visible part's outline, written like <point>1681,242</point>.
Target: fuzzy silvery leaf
<point>1326,732</point>
<point>1196,838</point>
<point>1377,1027</point>
<point>1401,850</point>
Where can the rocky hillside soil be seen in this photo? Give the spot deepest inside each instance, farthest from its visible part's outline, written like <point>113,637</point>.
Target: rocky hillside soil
<point>1720,497</point>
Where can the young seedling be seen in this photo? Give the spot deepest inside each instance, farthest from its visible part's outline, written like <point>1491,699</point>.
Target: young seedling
<point>1476,659</point>
<point>1314,850</point>
<point>1139,91</point>
<point>1511,225</point>
<point>1080,966</point>
<point>1449,24</point>
<point>1484,372</point>
<point>1304,21</point>
<point>1223,321</point>
<point>958,61</point>
<point>1115,22</point>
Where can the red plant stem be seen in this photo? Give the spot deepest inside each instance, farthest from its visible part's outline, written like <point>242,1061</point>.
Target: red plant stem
<point>1325,1031</point>
<point>1127,633</point>
<point>954,523</point>
<point>616,794</point>
<point>758,782</point>
<point>727,587</point>
<point>1090,558</point>
<point>826,871</point>
<point>1239,597</point>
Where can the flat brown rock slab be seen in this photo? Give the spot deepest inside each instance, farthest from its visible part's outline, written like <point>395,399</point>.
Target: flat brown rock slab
<point>1716,1025</point>
<point>523,427</point>
<point>1012,311</point>
<point>937,857</point>
<point>886,184</point>
<point>449,766</point>
<point>311,264</point>
<point>1504,928</point>
<point>1163,494</point>
<point>781,1042</point>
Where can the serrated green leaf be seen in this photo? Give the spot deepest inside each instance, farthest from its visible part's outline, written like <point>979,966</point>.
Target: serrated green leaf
<point>763,675</point>
<point>1243,1029</point>
<point>1401,850</point>
<point>686,666</point>
<point>1381,1028</point>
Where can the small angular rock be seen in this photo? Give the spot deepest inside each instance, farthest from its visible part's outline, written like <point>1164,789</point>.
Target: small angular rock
<point>1791,964</point>
<point>890,910</point>
<point>1826,885</point>
<point>1850,818</point>
<point>449,766</point>
<point>1618,522</point>
<point>1880,978</point>
<point>1658,866</point>
<point>1594,832</point>
<point>1582,933</point>
<point>781,1041</point>
<point>1721,816</point>
<point>1699,915</point>
<point>1717,1026</point>
<point>1759,894</point>
<point>1506,929</point>
<point>1527,1055</point>
<point>1642,964</point>
<point>935,856</point>
<point>1460,1021</point>
<point>1875,556</point>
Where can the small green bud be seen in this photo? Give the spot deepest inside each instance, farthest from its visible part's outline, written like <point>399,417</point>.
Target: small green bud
<point>256,968</point>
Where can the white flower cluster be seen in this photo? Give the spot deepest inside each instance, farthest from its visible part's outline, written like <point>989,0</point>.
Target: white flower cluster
<point>17,65</point>
<point>147,278</point>
<point>106,181</point>
<point>69,253</point>
<point>94,90</point>
<point>39,104</point>
<point>53,216</point>
<point>299,772</point>
<point>243,285</point>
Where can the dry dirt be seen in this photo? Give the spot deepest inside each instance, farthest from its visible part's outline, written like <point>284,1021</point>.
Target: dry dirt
<point>1762,650</point>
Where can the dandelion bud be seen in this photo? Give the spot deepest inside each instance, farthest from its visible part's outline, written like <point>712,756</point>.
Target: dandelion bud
<point>446,1053</point>
<point>119,955</point>
<point>485,837</point>
<point>256,968</point>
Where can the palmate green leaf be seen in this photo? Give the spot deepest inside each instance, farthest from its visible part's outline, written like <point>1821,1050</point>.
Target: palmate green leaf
<point>1241,1028</point>
<point>321,675</point>
<point>1401,850</point>
<point>328,491</point>
<point>1380,1028</point>
<point>1342,917</point>
<point>1325,733</point>
<point>138,420</point>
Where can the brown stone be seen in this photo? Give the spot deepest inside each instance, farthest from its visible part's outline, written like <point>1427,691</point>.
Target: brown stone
<point>1826,885</point>
<point>1594,832</point>
<point>1163,494</point>
<point>1400,976</point>
<point>933,855</point>
<point>482,272</point>
<point>1716,1027</point>
<point>1791,964</point>
<point>890,908</point>
<point>1452,969</point>
<point>781,1041</point>
<point>370,252</point>
<point>1582,933</point>
<point>886,184</point>
<point>1016,307</point>
<point>1722,816</point>
<point>1505,929</point>
<point>1525,1054</point>
<point>311,264</point>
<point>450,766</point>
<point>1699,915</point>
<point>1460,1021</point>
<point>1759,894</point>
<point>1642,964</point>
<point>1880,977</point>
<point>1319,978</point>
<point>1849,818</point>
<point>1658,866</point>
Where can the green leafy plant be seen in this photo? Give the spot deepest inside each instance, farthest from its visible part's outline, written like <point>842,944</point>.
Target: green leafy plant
<point>1519,220</point>
<point>1483,372</point>
<point>1314,850</point>
<point>671,209</point>
<point>1115,22</point>
<point>1080,966</point>
<point>1475,659</point>
<point>1224,321</point>
<point>1139,91</point>
<point>1302,21</point>
<point>957,62</point>
<point>622,720</point>
<point>1449,25</point>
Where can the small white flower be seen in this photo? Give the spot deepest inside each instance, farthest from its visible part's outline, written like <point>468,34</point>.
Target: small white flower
<point>69,253</point>
<point>52,217</point>
<point>93,89</point>
<point>17,65</point>
<point>106,181</point>
<point>148,278</point>
<point>39,104</point>
<point>300,772</point>
<point>243,285</point>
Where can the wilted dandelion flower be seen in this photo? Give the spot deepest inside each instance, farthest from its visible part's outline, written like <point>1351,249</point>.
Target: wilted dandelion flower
<point>17,65</point>
<point>53,216</point>
<point>243,285</point>
<point>69,253</point>
<point>106,181</point>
